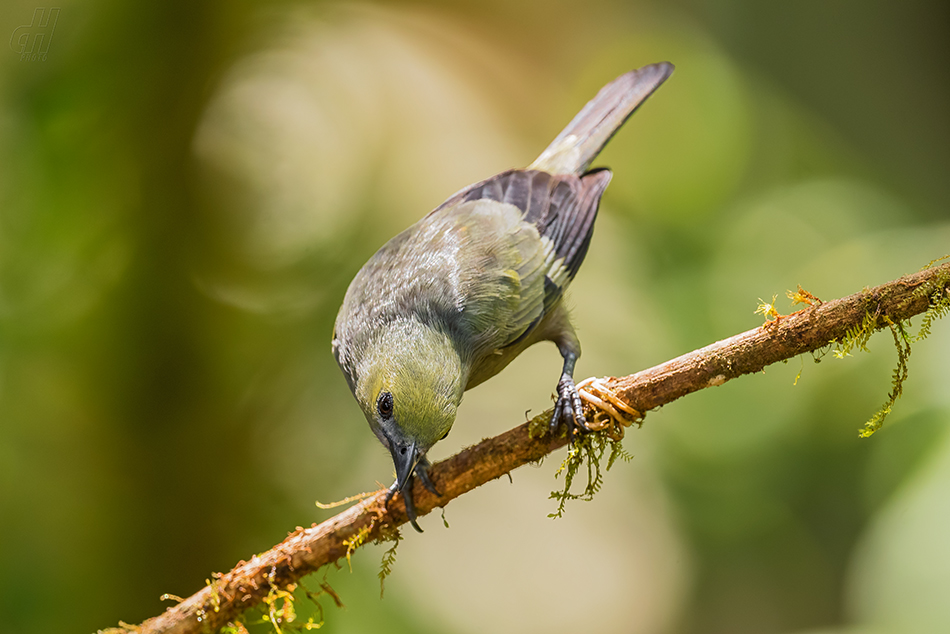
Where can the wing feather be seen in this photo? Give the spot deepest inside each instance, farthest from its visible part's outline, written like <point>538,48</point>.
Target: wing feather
<point>544,248</point>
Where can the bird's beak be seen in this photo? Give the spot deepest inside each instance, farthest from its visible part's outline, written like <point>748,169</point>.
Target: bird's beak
<point>406,457</point>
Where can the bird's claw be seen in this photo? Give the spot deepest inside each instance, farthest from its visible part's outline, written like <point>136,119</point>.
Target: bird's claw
<point>569,408</point>
<point>407,499</point>
<point>391,492</point>
<point>421,470</point>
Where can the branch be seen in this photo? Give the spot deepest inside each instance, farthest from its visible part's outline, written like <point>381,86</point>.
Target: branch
<point>306,550</point>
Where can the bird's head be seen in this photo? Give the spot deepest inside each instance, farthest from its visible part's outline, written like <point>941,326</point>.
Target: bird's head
<point>409,387</point>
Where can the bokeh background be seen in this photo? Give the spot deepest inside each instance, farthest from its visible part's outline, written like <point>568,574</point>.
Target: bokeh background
<point>187,188</point>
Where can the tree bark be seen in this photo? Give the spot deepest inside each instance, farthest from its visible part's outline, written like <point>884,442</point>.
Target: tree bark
<point>308,549</point>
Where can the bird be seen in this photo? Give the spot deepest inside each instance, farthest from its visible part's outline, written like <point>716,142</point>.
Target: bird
<point>449,302</point>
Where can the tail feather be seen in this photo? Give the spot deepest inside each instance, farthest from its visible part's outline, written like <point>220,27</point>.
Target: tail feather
<point>585,136</point>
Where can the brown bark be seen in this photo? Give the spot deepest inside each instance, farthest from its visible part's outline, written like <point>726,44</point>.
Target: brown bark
<point>306,550</point>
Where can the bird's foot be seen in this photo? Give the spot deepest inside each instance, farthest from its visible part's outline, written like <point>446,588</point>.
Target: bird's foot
<point>390,492</point>
<point>569,408</point>
<point>407,498</point>
<point>422,470</point>
<point>610,412</point>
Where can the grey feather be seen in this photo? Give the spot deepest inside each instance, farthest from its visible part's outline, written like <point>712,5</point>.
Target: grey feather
<point>573,150</point>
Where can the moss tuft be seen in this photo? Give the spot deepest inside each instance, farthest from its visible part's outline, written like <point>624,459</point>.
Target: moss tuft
<point>587,451</point>
<point>938,296</point>
<point>389,557</point>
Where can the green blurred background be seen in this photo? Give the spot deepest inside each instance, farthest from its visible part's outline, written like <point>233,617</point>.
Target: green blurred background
<point>187,188</point>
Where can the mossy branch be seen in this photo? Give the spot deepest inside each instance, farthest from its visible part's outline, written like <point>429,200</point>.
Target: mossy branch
<point>307,549</point>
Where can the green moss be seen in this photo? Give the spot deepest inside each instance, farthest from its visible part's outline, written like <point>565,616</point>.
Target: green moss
<point>355,542</point>
<point>902,344</point>
<point>857,337</point>
<point>279,609</point>
<point>314,597</point>
<point>939,299</point>
<point>586,452</point>
<point>389,557</point>
<point>938,295</point>
<point>538,427</point>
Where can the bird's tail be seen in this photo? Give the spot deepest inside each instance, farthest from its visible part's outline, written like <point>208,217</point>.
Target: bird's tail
<point>586,135</point>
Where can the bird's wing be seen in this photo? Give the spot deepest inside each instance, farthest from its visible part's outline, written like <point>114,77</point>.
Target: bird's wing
<point>487,264</point>
<point>530,231</point>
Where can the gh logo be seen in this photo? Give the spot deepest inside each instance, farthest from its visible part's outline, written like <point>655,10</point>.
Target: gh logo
<point>40,31</point>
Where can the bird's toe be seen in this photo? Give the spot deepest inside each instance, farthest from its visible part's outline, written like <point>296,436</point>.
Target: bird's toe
<point>422,470</point>
<point>407,498</point>
<point>569,408</point>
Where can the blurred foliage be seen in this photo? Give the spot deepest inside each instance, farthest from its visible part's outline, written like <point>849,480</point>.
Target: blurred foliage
<point>186,189</point>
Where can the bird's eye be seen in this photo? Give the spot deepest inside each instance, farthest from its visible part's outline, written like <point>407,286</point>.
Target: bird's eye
<point>384,404</point>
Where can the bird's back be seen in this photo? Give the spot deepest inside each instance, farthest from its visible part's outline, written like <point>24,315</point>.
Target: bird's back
<point>485,267</point>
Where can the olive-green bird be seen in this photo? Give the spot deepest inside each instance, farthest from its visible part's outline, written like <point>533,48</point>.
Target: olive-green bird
<point>453,299</point>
